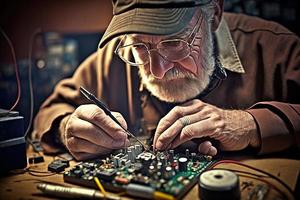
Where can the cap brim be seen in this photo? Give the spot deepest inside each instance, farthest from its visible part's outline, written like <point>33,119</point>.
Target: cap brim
<point>162,21</point>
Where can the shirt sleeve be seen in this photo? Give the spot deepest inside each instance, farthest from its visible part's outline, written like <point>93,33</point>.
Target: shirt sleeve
<point>278,118</point>
<point>278,124</point>
<point>63,101</point>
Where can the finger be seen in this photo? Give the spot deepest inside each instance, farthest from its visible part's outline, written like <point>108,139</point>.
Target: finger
<point>92,133</point>
<point>98,117</point>
<point>204,147</point>
<point>120,119</point>
<point>178,112</point>
<point>75,144</point>
<point>167,137</point>
<point>172,118</point>
<point>212,151</point>
<point>203,128</point>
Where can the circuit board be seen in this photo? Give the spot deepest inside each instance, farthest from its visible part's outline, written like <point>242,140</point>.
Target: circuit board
<point>141,173</point>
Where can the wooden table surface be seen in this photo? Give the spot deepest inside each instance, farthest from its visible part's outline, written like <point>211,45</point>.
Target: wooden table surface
<point>22,185</point>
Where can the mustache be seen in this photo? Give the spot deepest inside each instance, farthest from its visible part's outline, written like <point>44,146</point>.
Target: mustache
<point>172,74</point>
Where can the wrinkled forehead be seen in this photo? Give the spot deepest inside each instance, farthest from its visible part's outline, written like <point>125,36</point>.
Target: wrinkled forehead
<point>135,37</point>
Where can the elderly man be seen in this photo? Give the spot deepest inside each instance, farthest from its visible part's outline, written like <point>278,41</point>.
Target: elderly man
<point>180,70</point>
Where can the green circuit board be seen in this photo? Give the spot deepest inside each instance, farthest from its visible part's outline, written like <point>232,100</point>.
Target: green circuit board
<point>167,172</point>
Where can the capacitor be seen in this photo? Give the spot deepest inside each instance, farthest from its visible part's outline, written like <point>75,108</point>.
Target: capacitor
<point>159,166</point>
<point>182,164</point>
<point>171,155</point>
<point>151,169</point>
<point>168,172</point>
<point>219,184</point>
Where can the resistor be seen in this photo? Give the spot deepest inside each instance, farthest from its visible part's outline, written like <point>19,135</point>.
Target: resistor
<point>121,180</point>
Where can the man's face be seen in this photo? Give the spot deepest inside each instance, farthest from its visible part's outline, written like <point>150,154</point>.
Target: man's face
<point>184,79</point>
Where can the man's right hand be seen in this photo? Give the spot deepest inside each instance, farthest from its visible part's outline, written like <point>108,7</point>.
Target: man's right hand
<point>89,132</point>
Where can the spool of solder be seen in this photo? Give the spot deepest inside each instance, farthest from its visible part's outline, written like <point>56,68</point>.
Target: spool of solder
<point>219,184</point>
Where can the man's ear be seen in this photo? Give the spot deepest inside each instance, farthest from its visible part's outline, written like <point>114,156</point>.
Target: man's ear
<point>219,6</point>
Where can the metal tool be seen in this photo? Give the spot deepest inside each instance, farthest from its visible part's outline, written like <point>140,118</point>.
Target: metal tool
<point>74,192</point>
<point>101,105</point>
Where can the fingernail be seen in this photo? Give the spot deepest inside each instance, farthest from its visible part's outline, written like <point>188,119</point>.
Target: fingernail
<point>118,143</point>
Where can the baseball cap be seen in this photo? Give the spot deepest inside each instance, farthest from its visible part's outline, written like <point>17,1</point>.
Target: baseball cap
<point>155,17</point>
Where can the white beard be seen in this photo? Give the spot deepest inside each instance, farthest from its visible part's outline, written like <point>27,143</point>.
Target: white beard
<point>178,85</point>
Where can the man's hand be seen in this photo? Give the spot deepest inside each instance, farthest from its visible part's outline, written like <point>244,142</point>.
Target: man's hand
<point>90,132</point>
<point>234,129</point>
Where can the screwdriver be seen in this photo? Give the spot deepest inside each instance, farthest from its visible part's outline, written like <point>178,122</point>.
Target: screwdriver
<point>101,105</point>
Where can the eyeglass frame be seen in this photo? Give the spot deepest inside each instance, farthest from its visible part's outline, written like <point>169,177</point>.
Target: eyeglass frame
<point>156,49</point>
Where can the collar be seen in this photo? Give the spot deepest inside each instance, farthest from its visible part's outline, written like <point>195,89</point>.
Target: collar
<point>228,54</point>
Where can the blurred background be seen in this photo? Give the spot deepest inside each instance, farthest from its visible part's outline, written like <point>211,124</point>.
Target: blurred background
<point>57,35</point>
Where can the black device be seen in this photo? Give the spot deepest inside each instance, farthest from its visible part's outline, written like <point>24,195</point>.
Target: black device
<point>58,165</point>
<point>219,184</point>
<point>12,141</point>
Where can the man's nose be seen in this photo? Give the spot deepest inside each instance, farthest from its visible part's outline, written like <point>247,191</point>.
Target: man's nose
<point>158,65</point>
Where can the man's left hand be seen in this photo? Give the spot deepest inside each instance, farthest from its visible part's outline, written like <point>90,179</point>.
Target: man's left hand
<point>234,129</point>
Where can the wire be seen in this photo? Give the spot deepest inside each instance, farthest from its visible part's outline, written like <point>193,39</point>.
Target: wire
<point>38,173</point>
<point>256,169</point>
<point>37,31</point>
<point>257,177</point>
<point>269,183</point>
<point>16,70</point>
<point>98,183</point>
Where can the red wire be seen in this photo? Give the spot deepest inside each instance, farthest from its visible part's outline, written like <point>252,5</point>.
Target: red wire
<point>234,162</point>
<point>16,70</point>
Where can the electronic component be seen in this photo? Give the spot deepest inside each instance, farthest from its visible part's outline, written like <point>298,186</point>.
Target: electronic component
<point>143,174</point>
<point>12,141</point>
<point>219,184</point>
<point>35,159</point>
<point>58,166</point>
<point>182,164</point>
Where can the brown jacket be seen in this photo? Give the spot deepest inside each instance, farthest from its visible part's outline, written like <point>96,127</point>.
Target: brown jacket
<point>262,60</point>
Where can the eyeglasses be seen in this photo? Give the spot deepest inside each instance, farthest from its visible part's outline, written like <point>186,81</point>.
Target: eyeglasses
<point>173,50</point>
